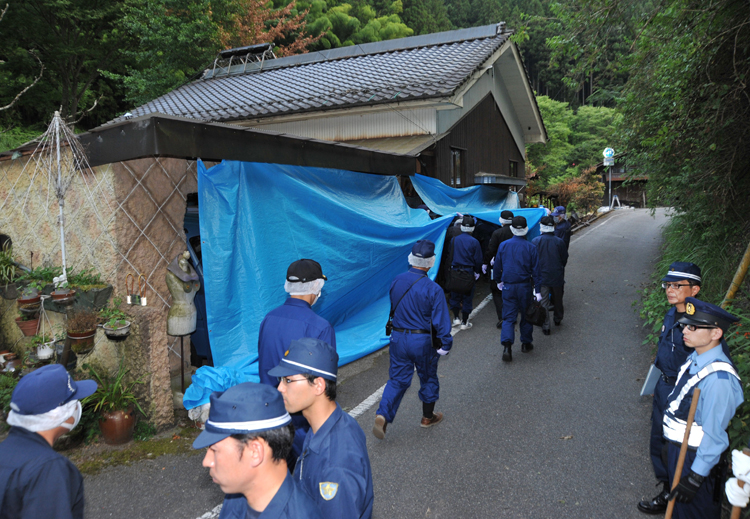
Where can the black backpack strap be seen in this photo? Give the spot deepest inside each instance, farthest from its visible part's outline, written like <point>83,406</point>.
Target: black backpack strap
<point>393,308</point>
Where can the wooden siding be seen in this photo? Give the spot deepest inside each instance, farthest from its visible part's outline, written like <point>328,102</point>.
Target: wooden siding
<point>487,143</point>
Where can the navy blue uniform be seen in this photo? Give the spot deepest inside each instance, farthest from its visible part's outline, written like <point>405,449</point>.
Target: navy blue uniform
<point>289,322</point>
<point>516,265</point>
<point>334,468</point>
<point>721,394</point>
<point>36,481</point>
<point>671,353</point>
<point>290,502</point>
<point>423,305</point>
<point>553,256</point>
<point>499,236</point>
<point>467,255</point>
<point>562,231</point>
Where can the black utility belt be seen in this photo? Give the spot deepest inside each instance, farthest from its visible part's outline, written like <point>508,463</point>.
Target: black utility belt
<point>668,380</point>
<point>403,330</point>
<point>457,267</point>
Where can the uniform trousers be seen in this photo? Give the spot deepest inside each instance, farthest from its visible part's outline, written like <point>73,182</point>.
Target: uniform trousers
<point>661,393</point>
<point>556,294</point>
<point>703,505</point>
<point>407,351</point>
<point>516,298</point>
<point>463,301</point>
<point>497,298</point>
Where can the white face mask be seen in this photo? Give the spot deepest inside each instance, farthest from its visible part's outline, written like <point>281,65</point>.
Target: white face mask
<point>317,296</point>
<point>76,417</point>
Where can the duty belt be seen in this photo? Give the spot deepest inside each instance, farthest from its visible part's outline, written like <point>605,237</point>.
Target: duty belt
<point>403,330</point>
<point>668,380</point>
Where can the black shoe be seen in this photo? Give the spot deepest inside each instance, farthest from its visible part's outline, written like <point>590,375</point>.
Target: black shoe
<point>546,332</point>
<point>658,505</point>
<point>557,323</point>
<point>499,325</point>
<point>526,347</point>
<point>507,354</point>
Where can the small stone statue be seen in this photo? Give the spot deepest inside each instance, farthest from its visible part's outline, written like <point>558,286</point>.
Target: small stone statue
<point>183,283</point>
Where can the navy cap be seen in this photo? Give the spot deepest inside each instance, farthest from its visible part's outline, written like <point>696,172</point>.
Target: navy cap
<point>559,210</point>
<point>308,356</point>
<point>519,222</point>
<point>242,409</point>
<point>468,221</point>
<point>304,270</point>
<point>682,270</point>
<point>702,313</point>
<point>547,220</point>
<point>47,388</point>
<point>507,215</point>
<point>423,249</point>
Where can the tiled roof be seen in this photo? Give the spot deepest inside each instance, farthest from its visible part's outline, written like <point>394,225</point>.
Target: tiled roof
<point>407,69</point>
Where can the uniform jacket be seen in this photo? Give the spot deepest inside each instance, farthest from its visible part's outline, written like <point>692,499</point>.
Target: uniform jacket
<point>553,256</point>
<point>671,351</point>
<point>517,261</point>
<point>423,304</point>
<point>290,502</point>
<point>289,322</point>
<point>334,468</point>
<point>37,482</point>
<point>562,231</point>
<point>467,252</point>
<point>498,237</point>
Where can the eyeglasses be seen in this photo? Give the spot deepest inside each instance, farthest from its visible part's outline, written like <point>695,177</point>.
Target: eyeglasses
<point>287,380</point>
<point>693,327</point>
<point>674,286</point>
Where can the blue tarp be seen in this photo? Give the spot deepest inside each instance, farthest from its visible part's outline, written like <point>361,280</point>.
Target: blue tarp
<point>256,219</point>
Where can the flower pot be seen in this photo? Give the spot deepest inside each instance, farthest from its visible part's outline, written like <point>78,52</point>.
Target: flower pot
<point>63,296</point>
<point>26,300</point>
<point>119,332</point>
<point>45,351</point>
<point>28,327</point>
<point>82,342</point>
<point>9,291</point>
<point>117,426</point>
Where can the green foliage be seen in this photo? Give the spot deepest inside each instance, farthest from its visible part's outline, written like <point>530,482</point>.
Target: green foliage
<point>112,316</point>
<point>7,385</point>
<point>144,431</point>
<point>14,137</point>
<point>38,340</point>
<point>7,264</point>
<point>425,16</point>
<point>45,275</point>
<point>113,394</point>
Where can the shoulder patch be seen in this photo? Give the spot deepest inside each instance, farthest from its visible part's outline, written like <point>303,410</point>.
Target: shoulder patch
<point>723,374</point>
<point>328,490</point>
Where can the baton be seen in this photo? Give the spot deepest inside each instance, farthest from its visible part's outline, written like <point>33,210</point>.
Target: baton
<point>736,510</point>
<point>683,449</point>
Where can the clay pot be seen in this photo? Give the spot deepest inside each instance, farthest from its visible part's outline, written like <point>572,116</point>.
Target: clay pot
<point>117,426</point>
<point>28,327</point>
<point>82,343</point>
<point>29,300</point>
<point>63,295</point>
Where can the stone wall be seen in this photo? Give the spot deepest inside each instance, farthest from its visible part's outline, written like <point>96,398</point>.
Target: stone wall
<point>120,219</point>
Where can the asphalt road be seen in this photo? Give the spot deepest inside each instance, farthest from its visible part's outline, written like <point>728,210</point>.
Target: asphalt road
<point>559,432</point>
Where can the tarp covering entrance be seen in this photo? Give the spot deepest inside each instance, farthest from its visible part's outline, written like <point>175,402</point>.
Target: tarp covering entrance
<point>255,219</point>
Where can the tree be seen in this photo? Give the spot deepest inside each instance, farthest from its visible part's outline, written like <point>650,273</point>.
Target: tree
<point>426,16</point>
<point>8,79</point>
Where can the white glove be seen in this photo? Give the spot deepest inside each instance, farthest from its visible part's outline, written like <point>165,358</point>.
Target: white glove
<point>476,276</point>
<point>741,465</point>
<point>735,495</point>
<point>500,286</point>
<point>443,352</point>
<point>484,269</point>
<point>538,296</point>
<point>492,261</point>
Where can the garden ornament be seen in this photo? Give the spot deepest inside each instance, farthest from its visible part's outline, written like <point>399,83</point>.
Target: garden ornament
<point>183,283</point>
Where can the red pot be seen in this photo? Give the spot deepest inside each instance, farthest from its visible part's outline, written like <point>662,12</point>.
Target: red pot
<point>117,426</point>
<point>63,296</point>
<point>81,343</point>
<point>28,327</point>
<point>23,301</point>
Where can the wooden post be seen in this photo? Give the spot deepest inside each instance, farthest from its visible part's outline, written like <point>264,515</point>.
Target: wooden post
<point>739,277</point>
<point>683,450</point>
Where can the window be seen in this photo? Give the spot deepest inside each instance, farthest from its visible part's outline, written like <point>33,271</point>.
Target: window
<point>513,169</point>
<point>457,162</point>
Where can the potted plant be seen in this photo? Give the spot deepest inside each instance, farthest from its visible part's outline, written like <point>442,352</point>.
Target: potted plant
<point>28,323</point>
<point>81,330</point>
<point>63,293</point>
<point>44,346</point>
<point>116,325</point>
<point>30,296</point>
<point>117,403</point>
<point>8,272</point>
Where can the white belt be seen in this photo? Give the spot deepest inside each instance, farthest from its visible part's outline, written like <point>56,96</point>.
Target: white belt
<point>674,430</point>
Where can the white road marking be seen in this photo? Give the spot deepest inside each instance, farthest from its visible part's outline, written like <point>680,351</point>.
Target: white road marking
<point>212,514</point>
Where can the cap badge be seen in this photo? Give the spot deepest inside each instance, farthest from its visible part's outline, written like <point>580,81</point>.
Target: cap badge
<point>690,309</point>
<point>328,490</point>
<point>286,353</point>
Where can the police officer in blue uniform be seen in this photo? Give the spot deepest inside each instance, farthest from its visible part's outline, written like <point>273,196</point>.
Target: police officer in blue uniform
<point>553,256</point>
<point>682,280</point>
<point>35,480</point>
<point>498,237</point>
<point>709,369</point>
<point>293,320</point>
<point>419,303</point>
<point>562,225</point>
<point>467,255</point>
<point>517,269</point>
<point>334,468</point>
<point>249,435</point>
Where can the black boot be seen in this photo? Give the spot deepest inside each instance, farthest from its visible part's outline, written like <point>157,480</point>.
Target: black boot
<point>526,347</point>
<point>658,505</point>
<point>507,354</point>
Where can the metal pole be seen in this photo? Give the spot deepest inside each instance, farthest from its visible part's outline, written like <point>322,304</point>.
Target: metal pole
<point>610,187</point>
<point>60,201</point>
<point>182,367</point>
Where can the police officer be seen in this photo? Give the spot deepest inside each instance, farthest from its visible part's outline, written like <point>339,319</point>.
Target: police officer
<point>249,435</point>
<point>36,481</point>
<point>467,255</point>
<point>516,268</point>
<point>562,225</point>
<point>334,468</point>
<point>419,303</point>
<point>553,256</point>
<point>710,370</point>
<point>736,495</point>
<point>498,237</point>
<point>682,280</point>
<point>293,320</point>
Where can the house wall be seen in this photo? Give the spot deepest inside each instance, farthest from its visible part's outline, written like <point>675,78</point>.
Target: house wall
<point>120,219</point>
<point>486,140</point>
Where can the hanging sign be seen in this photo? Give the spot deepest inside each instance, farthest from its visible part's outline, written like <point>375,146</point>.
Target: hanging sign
<point>608,153</point>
